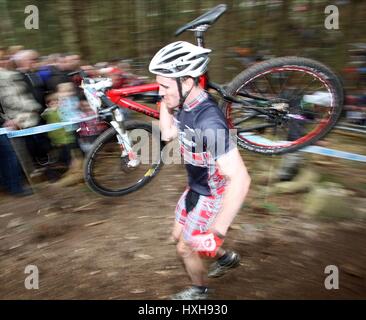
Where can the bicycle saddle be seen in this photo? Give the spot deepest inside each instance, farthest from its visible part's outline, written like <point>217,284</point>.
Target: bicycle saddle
<point>207,18</point>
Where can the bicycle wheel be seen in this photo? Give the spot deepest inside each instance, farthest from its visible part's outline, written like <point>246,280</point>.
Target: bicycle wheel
<point>296,101</point>
<point>106,168</point>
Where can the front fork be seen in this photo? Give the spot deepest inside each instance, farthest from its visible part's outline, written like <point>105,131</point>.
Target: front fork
<point>123,139</point>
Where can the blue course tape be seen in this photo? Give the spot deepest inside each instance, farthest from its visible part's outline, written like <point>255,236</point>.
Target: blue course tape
<point>311,149</point>
<point>42,128</point>
<point>37,130</point>
<point>335,153</point>
<point>314,149</point>
<point>3,131</point>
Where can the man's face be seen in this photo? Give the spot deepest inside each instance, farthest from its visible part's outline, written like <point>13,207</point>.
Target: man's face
<point>29,61</point>
<point>73,61</point>
<point>168,90</point>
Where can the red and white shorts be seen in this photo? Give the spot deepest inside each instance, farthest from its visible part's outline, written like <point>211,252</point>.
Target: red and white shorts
<point>200,218</point>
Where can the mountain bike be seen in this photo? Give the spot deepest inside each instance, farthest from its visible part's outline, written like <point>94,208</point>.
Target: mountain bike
<point>276,106</point>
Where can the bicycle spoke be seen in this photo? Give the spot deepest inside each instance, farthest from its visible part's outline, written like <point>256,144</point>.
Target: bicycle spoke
<point>303,90</point>
<point>258,91</point>
<point>269,84</point>
<point>283,85</point>
<point>112,172</point>
<point>297,109</point>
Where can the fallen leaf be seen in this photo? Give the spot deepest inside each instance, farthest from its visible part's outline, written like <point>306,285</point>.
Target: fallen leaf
<point>136,291</point>
<point>131,237</point>
<point>95,223</point>
<point>16,246</point>
<point>171,267</point>
<point>95,272</point>
<point>42,245</point>
<point>52,214</point>
<point>296,263</point>
<point>85,207</point>
<point>6,215</point>
<point>144,256</point>
<point>163,272</point>
<point>15,223</point>
<point>112,274</point>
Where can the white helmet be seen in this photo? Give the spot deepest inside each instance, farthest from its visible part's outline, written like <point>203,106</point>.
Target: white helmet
<point>180,59</point>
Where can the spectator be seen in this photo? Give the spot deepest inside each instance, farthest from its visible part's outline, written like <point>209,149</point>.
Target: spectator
<point>26,63</point>
<point>61,140</point>
<point>18,110</point>
<point>69,102</point>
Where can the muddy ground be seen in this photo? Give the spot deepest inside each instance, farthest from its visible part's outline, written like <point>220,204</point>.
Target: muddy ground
<point>89,247</point>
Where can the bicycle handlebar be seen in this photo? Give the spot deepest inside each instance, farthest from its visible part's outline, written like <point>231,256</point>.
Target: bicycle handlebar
<point>108,102</point>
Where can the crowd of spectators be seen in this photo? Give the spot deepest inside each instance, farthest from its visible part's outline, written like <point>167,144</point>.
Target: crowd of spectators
<point>37,90</point>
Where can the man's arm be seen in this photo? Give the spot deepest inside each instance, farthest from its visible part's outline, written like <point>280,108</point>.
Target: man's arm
<point>168,129</point>
<point>18,104</point>
<point>232,167</point>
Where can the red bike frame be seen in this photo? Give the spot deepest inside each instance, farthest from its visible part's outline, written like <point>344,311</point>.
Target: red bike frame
<point>118,96</point>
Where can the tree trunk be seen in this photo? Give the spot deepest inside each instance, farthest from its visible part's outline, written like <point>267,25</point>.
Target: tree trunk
<point>79,23</point>
<point>283,28</point>
<point>68,37</point>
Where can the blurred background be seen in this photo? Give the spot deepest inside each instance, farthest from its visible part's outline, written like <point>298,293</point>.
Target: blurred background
<point>105,30</point>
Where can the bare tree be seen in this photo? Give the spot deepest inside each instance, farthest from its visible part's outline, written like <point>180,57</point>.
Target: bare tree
<point>78,14</point>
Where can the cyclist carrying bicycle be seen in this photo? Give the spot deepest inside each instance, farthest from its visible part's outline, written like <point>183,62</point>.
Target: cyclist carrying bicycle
<point>218,180</point>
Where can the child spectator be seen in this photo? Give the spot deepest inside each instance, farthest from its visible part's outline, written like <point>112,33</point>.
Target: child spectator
<point>62,140</point>
<point>68,102</point>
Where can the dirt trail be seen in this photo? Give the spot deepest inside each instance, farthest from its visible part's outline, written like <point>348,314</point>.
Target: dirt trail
<point>88,247</point>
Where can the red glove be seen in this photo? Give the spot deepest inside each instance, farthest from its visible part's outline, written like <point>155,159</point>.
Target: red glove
<point>207,243</point>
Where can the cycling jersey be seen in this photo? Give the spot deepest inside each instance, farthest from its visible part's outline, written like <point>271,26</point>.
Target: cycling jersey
<point>203,137</point>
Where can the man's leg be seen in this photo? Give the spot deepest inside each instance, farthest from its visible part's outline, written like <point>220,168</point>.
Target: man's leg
<point>193,264</point>
<point>194,267</point>
<point>192,261</point>
<point>177,231</point>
